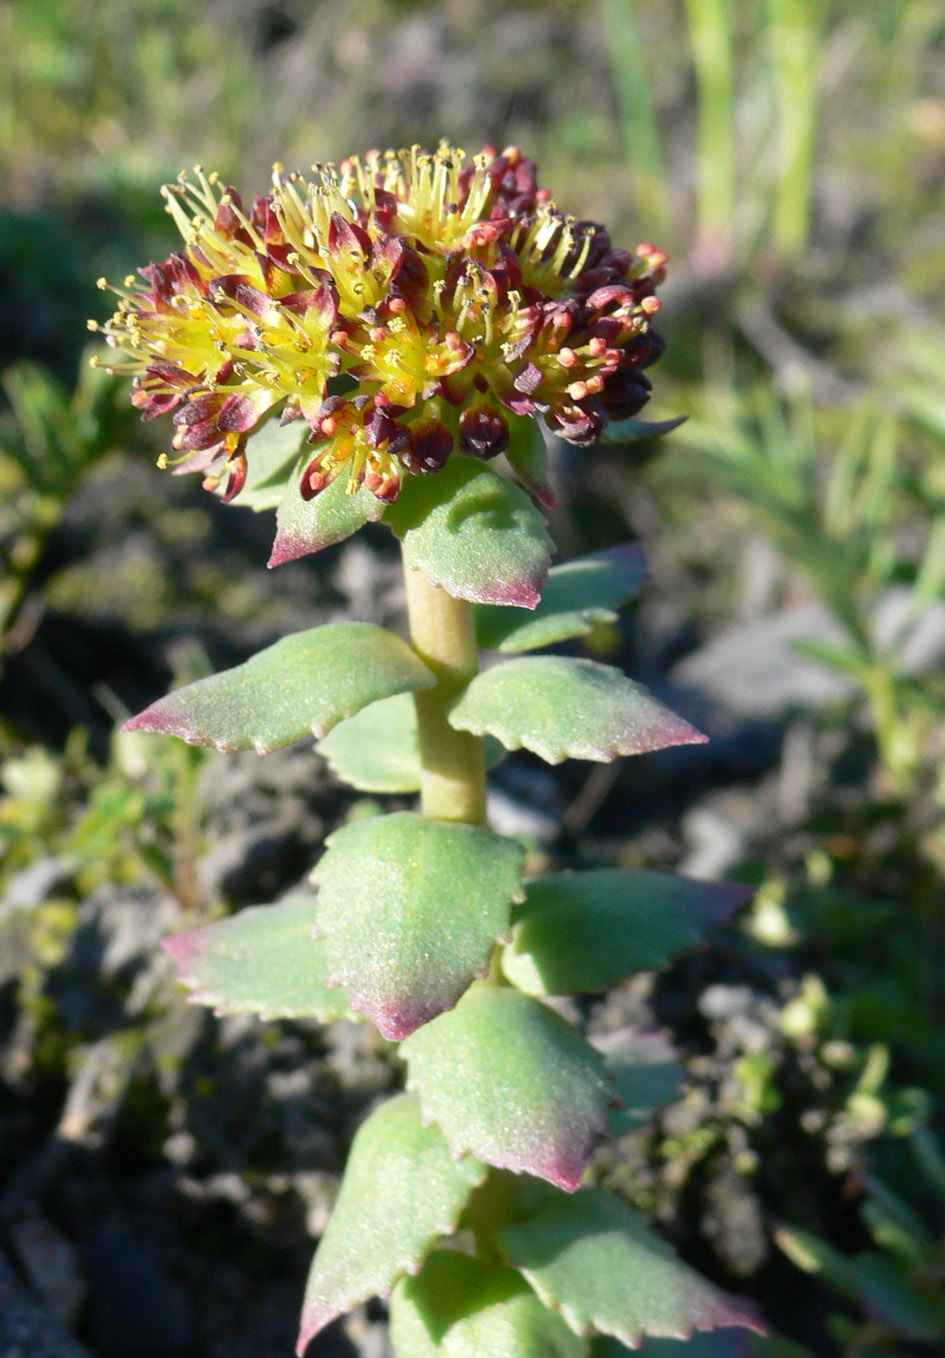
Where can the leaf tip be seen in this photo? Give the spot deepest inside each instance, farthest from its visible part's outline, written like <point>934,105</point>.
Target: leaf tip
<point>288,547</point>
<point>315,1316</point>
<point>183,949</point>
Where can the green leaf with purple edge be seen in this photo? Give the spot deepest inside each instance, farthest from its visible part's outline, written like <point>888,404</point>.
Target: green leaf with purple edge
<point>401,1190</point>
<point>262,960</point>
<point>474,533</point>
<point>410,909</point>
<point>593,1257</point>
<point>302,685</point>
<point>562,708</point>
<point>510,1080</point>
<point>527,455</point>
<point>305,526</point>
<point>378,749</point>
<point>632,431</point>
<point>646,1072</point>
<point>459,1305</point>
<point>585,931</point>
<point>271,456</point>
<point>576,596</point>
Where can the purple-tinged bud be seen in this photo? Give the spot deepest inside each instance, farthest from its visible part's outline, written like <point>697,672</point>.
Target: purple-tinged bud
<point>430,445</point>
<point>483,432</point>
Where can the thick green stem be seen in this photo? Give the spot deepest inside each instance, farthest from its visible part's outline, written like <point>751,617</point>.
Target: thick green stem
<point>443,633</point>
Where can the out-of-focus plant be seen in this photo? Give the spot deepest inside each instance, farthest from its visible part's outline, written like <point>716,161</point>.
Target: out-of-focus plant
<point>845,512</point>
<point>739,206</point>
<point>899,1286</point>
<point>49,438</point>
<point>137,815</point>
<point>408,317</point>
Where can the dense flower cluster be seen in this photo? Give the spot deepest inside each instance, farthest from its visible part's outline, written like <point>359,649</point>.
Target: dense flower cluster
<point>399,304</point>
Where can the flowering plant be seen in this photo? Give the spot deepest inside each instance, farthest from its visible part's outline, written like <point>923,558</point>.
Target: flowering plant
<point>408,317</point>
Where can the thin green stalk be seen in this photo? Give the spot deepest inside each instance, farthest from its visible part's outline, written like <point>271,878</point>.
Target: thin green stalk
<point>710,41</point>
<point>793,42</point>
<point>637,114</point>
<point>453,763</point>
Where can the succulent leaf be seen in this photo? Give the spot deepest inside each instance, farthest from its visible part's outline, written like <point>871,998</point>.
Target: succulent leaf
<point>303,684</point>
<point>474,533</point>
<point>592,1257</point>
<point>262,960</point>
<point>511,1081</point>
<point>458,1306</point>
<point>401,1190</point>
<point>585,931</point>
<point>561,708</point>
<point>305,526</point>
<point>410,909</point>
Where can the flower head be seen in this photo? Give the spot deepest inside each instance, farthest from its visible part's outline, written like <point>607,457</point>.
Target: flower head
<point>400,304</point>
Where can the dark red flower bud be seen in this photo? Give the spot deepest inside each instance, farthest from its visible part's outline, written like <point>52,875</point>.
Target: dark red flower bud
<point>430,445</point>
<point>483,432</point>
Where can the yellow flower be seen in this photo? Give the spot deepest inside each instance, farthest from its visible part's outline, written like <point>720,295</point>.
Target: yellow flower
<point>400,304</point>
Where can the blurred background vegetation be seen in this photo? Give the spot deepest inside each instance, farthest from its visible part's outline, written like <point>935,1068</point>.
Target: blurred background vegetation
<point>790,155</point>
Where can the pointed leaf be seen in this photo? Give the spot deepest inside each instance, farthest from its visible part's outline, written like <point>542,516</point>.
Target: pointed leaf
<point>271,456</point>
<point>513,1082</point>
<point>561,708</point>
<point>646,1073</point>
<point>262,961</point>
<point>575,597</point>
<point>459,1306</point>
<point>302,685</point>
<point>473,532</point>
<point>378,749</point>
<point>410,909</point>
<point>585,931</point>
<point>593,1257</point>
<point>304,526</point>
<point>401,1190</point>
<point>633,430</point>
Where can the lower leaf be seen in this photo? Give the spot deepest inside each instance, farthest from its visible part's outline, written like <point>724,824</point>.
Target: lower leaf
<point>401,1190</point>
<point>463,1307</point>
<point>510,1080</point>
<point>594,1258</point>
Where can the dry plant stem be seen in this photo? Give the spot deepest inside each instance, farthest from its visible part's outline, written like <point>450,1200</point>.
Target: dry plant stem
<point>453,763</point>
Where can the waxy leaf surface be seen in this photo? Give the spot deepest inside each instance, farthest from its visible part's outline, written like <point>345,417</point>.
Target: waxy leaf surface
<point>646,1073</point>
<point>271,456</point>
<point>458,1306</point>
<point>473,532</point>
<point>585,931</point>
<point>401,1190</point>
<point>576,596</point>
<point>302,685</point>
<point>410,909</point>
<point>594,1258</point>
<point>262,960</point>
<point>561,708</point>
<point>378,749</point>
<point>304,526</point>
<point>511,1081</point>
